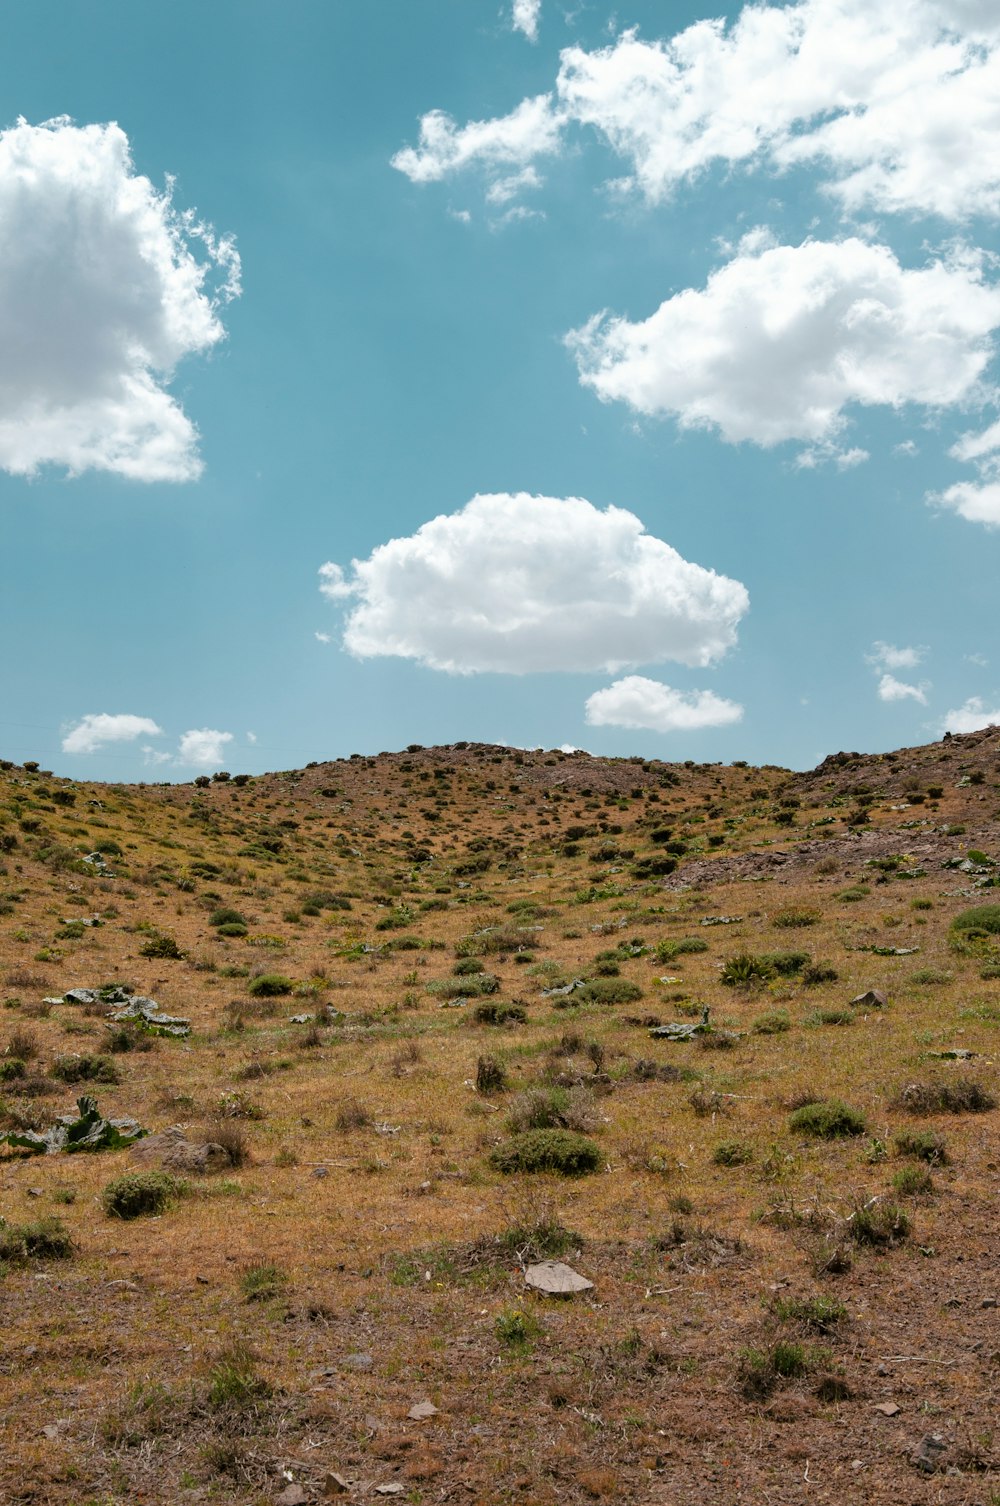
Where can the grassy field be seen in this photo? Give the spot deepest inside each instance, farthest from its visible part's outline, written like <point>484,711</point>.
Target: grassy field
<point>788,1301</point>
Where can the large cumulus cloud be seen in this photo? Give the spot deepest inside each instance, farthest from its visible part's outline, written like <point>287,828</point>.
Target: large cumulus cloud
<point>104,288</point>
<point>517,583</point>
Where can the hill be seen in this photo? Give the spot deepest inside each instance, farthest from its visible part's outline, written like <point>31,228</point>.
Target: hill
<point>406,976</point>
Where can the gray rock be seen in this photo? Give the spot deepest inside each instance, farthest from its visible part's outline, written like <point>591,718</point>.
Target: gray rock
<point>874,998</point>
<point>556,1279</point>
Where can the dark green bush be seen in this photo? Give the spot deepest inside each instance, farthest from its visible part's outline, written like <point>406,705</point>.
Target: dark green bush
<point>666,951</point>
<point>745,969</point>
<point>489,1013</point>
<point>923,1145</point>
<point>226,917</point>
<point>608,991</point>
<point>828,1120</point>
<point>139,1193</point>
<point>84,1069</point>
<point>270,986</point>
<point>732,1153</point>
<point>164,948</point>
<point>562,1152</point>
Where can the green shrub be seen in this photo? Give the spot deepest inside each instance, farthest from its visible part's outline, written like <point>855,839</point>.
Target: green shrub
<point>666,951</point>
<point>972,930</point>
<point>732,1153</point>
<point>608,991</point>
<point>854,894</point>
<point>474,986</point>
<point>489,1013</point>
<point>878,1224</point>
<point>831,1119</point>
<point>11,1068</point>
<point>467,967</point>
<point>929,976</point>
<point>744,969</point>
<point>270,986</point>
<point>913,1181</point>
<point>491,1076</point>
<point>923,1145</point>
<point>164,948</point>
<point>562,1152</point>
<point>796,916</point>
<point>84,1069</point>
<point>775,1022</point>
<point>140,1193</point>
<point>232,928</point>
<point>42,1239</point>
<point>226,917</point>
<point>833,1016</point>
<point>819,972</point>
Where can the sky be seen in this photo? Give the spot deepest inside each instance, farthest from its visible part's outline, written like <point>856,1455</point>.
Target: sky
<point>543,372</point>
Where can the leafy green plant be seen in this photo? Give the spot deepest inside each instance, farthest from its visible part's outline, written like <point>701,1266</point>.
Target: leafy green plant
<point>516,1329</point>
<point>262,1281</point>
<point>163,948</point>
<point>41,1239</point>
<point>608,991</point>
<point>490,1013</point>
<point>732,1153</point>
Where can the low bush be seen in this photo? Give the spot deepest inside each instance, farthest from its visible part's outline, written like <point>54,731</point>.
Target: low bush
<point>775,1022</point>
<point>491,1076</point>
<point>141,1193</point>
<point>608,991</point>
<point>84,1069</point>
<point>489,1013</point>
<point>561,1152</point>
<point>829,1119</point>
<point>42,1239</point>
<point>270,986</point>
<point>878,1224</point>
<point>963,1095</point>
<point>666,951</point>
<point>553,1108</point>
<point>821,1314</point>
<point>262,1281</point>
<point>233,1382</point>
<point>732,1153</point>
<point>912,1181</point>
<point>819,972</point>
<point>163,948</point>
<point>923,1145</point>
<point>796,916</point>
<point>745,969</point>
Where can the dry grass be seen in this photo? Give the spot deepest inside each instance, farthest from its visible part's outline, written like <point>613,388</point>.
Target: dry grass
<point>361,1166</point>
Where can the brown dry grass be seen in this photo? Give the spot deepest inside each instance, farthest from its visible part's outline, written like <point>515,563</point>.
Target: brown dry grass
<point>366,1180</point>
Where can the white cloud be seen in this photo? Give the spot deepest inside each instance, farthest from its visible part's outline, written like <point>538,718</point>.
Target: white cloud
<point>203,747</point>
<point>505,189</point>
<point>975,503</point>
<point>510,142</point>
<point>97,729</point>
<point>251,737</point>
<point>976,447</point>
<point>887,656</point>
<point>647,704</point>
<point>780,342</point>
<point>323,637</point>
<point>515,584</point>
<point>525,17</point>
<point>971,717</point>
<point>153,757</point>
<point>978,659</point>
<point>102,294</point>
<point>897,101</point>
<point>891,689</point>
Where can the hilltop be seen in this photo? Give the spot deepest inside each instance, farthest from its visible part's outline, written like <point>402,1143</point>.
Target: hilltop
<point>395,966</point>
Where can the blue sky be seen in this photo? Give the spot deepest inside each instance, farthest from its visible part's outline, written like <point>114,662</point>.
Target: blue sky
<point>792,245</point>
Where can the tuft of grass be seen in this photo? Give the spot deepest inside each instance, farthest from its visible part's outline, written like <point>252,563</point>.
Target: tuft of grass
<point>913,1181</point>
<point>84,1069</point>
<point>262,1281</point>
<point>352,1115</point>
<point>821,1314</point>
<point>233,1382</point>
<point>878,1224</point>
<point>562,1152</point>
<point>774,1022</point>
<point>516,1329</point>
<point>490,1013</point>
<point>796,916</point>
<point>829,1119</point>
